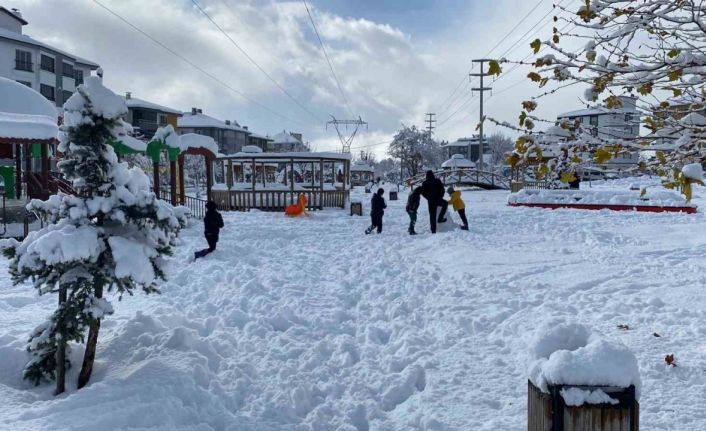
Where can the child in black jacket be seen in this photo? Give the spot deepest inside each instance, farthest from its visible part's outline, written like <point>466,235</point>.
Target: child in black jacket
<point>377,210</point>
<point>212,223</point>
<point>412,207</point>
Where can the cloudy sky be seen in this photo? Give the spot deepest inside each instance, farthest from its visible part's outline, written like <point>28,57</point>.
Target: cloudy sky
<point>396,60</point>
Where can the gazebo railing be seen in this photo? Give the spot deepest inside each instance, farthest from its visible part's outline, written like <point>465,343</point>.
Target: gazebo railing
<point>277,200</point>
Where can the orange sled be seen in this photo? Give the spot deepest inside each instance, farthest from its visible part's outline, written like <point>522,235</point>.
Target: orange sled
<point>298,209</point>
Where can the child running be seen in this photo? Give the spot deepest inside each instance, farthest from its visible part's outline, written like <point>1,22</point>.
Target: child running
<point>212,224</point>
<point>412,207</point>
<point>377,210</point>
<point>458,205</point>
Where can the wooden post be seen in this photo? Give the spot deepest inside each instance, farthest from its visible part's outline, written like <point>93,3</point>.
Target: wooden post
<point>253,176</point>
<point>173,181</point>
<point>264,173</point>
<point>291,178</point>
<point>28,168</point>
<point>18,171</point>
<point>285,174</point>
<point>182,190</point>
<point>45,169</point>
<point>321,184</point>
<point>209,177</point>
<point>61,351</point>
<point>232,174</point>
<point>155,178</point>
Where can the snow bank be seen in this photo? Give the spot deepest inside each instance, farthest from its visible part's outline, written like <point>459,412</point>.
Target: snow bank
<point>569,354</point>
<point>652,197</point>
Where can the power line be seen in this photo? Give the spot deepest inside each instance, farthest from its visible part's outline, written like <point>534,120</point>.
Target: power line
<point>194,65</point>
<point>496,45</point>
<point>234,43</point>
<point>328,60</point>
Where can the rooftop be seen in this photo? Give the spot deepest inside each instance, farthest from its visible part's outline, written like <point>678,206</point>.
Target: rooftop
<point>18,37</point>
<point>284,138</point>
<point>199,119</point>
<point>134,102</point>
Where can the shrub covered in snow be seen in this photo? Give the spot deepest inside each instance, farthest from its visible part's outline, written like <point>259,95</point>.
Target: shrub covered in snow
<point>570,354</point>
<point>112,235</point>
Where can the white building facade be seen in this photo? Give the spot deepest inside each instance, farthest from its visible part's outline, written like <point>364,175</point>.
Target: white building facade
<point>50,71</point>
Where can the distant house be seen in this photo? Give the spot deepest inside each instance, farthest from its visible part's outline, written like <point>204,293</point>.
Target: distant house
<point>467,146</point>
<point>607,123</point>
<point>50,71</point>
<point>229,135</point>
<point>287,142</point>
<point>260,141</point>
<point>146,117</point>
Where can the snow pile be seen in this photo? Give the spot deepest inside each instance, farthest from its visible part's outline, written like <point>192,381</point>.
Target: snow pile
<point>693,171</point>
<point>24,113</point>
<point>169,136</point>
<point>569,354</point>
<point>652,197</point>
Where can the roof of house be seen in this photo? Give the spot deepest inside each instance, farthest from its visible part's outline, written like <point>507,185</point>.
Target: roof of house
<point>189,119</point>
<point>14,15</point>
<point>259,136</point>
<point>598,110</point>
<point>361,166</point>
<point>7,34</point>
<point>134,102</point>
<point>25,114</point>
<point>464,142</point>
<point>458,161</point>
<point>284,138</point>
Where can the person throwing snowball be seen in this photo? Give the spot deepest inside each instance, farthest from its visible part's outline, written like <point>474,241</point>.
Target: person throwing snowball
<point>433,191</point>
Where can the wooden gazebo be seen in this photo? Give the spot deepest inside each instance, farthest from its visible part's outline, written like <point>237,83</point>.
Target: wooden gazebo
<point>311,174</point>
<point>28,130</point>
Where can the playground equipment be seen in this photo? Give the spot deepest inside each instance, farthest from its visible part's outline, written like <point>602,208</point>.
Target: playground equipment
<point>298,209</point>
<point>466,176</point>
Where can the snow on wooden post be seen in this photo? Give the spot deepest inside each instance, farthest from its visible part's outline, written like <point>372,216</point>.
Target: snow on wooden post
<point>580,382</point>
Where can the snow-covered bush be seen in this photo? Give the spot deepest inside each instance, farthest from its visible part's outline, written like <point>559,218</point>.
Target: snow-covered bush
<point>113,235</point>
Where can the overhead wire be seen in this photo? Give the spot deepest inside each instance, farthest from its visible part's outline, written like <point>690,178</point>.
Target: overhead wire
<point>194,65</point>
<point>255,63</point>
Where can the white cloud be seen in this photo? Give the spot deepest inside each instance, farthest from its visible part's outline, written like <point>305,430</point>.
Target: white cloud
<point>389,76</point>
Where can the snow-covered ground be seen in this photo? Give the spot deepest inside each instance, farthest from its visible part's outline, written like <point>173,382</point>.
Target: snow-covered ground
<point>308,324</point>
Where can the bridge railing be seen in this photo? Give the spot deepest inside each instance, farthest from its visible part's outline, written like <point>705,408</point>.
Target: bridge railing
<point>471,176</point>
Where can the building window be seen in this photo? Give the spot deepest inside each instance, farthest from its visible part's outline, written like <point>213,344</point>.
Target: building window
<point>68,70</point>
<point>47,63</point>
<point>47,91</point>
<point>23,60</point>
<point>593,120</point>
<point>78,76</point>
<point>27,83</point>
<point>67,94</point>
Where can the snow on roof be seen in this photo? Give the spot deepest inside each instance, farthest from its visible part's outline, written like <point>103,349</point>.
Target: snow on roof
<point>134,102</point>
<point>25,114</point>
<point>464,142</point>
<point>554,134</point>
<point>7,34</point>
<point>286,156</point>
<point>259,136</point>
<point>202,120</point>
<point>251,149</point>
<point>194,140</point>
<point>693,119</point>
<point>598,110</point>
<point>284,138</point>
<point>458,161</point>
<point>14,15</point>
<point>361,166</point>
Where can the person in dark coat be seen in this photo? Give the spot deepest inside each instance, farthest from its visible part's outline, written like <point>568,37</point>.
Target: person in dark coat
<point>412,207</point>
<point>433,191</point>
<point>212,223</point>
<point>377,210</point>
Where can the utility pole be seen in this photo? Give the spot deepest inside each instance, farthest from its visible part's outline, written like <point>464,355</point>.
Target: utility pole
<point>482,90</point>
<point>430,123</point>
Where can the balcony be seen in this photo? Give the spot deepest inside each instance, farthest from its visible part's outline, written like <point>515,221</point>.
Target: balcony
<point>27,66</point>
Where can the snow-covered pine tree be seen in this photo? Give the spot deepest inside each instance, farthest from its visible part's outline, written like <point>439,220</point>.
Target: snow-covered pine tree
<point>113,235</point>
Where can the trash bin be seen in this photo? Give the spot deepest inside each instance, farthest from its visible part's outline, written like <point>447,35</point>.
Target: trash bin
<point>552,411</point>
<point>357,208</point>
<point>393,195</point>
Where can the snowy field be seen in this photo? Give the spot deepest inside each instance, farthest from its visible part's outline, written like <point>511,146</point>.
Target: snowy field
<point>308,324</point>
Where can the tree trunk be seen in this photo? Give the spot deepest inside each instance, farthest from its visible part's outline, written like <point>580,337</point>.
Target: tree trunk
<point>61,351</point>
<point>90,355</point>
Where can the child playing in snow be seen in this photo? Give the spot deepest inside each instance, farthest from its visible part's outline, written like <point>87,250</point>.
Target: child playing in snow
<point>458,205</point>
<point>377,210</point>
<point>412,207</point>
<point>212,223</point>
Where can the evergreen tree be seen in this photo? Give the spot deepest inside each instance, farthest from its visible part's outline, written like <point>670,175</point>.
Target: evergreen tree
<point>113,235</point>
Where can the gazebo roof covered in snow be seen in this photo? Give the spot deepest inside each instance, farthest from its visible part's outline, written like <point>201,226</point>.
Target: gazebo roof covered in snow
<point>361,166</point>
<point>458,161</point>
<point>25,115</point>
<point>284,138</point>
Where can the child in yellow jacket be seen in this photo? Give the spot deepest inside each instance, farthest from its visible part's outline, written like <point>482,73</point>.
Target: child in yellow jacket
<point>458,205</point>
